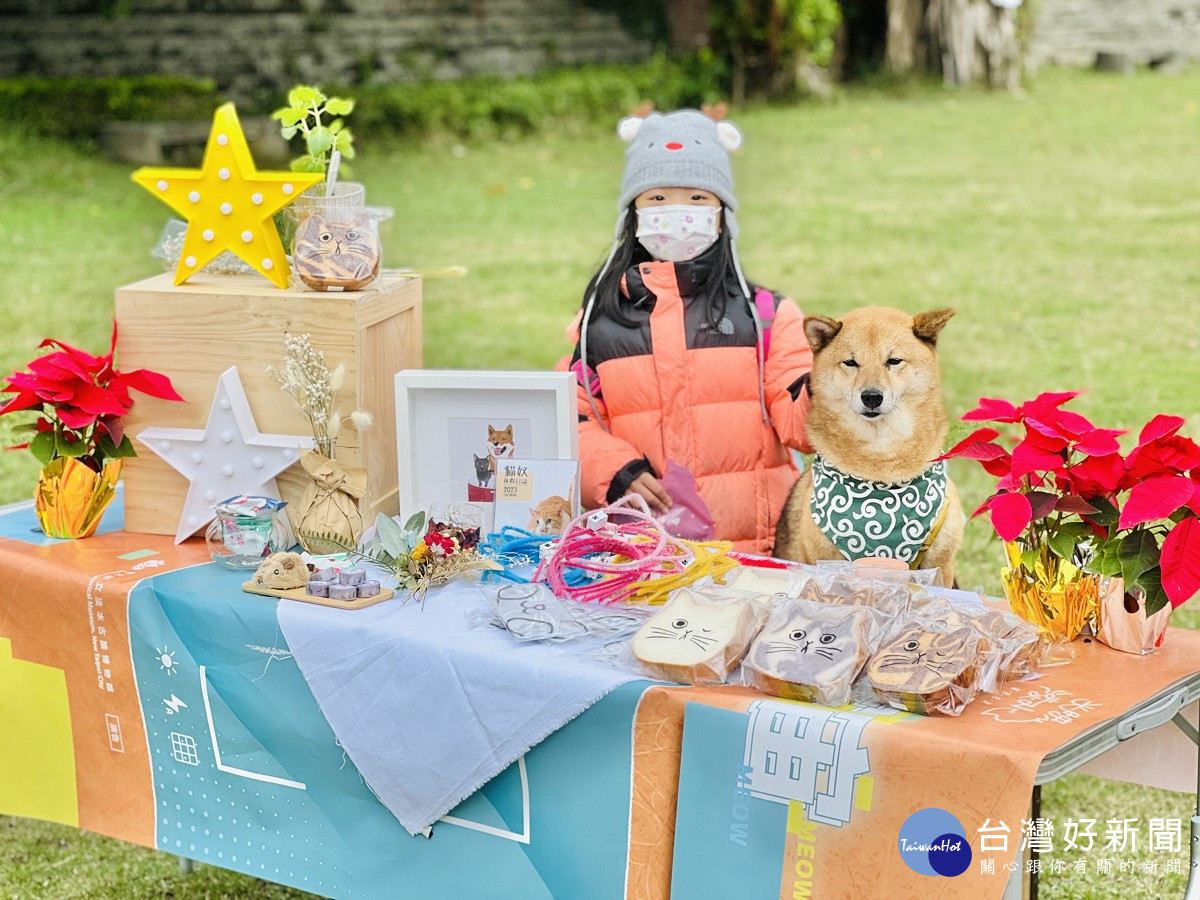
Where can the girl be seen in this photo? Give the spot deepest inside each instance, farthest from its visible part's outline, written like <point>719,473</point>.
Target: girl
<point>678,358</point>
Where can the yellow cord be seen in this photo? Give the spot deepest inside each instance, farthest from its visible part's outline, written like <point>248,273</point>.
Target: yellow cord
<point>708,558</point>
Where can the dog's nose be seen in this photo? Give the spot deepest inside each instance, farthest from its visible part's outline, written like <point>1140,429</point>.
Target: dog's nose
<point>872,399</point>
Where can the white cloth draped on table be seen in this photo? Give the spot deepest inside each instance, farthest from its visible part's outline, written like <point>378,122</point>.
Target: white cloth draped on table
<point>428,708</point>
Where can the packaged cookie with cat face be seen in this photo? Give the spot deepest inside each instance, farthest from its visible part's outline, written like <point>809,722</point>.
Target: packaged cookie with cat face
<point>886,591</point>
<point>811,651</point>
<point>925,669</point>
<point>1009,647</point>
<point>694,639</point>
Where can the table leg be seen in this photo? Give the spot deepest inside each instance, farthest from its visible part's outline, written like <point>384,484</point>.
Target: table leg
<point>186,865</point>
<point>1018,888</point>
<point>1192,891</point>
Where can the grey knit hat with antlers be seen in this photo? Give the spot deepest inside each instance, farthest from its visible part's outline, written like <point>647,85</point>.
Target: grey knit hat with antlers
<point>680,149</point>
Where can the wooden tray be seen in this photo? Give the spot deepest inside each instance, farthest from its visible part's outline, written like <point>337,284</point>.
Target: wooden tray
<point>304,597</point>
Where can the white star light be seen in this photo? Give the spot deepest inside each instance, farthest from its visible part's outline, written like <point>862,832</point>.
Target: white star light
<point>230,456</point>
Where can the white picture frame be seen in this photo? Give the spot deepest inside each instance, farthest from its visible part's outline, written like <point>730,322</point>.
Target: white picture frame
<point>441,412</point>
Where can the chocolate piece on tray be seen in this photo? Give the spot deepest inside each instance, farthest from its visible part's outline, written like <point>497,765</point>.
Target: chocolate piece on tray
<point>368,588</point>
<point>343,591</point>
<point>352,576</point>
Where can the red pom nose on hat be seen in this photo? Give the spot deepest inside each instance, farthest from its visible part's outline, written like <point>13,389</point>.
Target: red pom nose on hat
<point>674,145</point>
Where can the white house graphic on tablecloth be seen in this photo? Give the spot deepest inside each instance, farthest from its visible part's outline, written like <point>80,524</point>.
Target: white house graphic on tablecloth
<point>807,754</point>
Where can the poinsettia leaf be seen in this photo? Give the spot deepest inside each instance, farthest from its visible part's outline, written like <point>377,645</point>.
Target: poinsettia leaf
<point>990,410</point>
<point>1041,504</point>
<point>1097,474</point>
<point>1155,498</point>
<point>1028,458</point>
<point>1181,561</point>
<point>74,418</point>
<point>1029,559</point>
<point>1062,545</point>
<point>114,426</point>
<point>1106,513</point>
<point>1151,584</point>
<point>999,467</point>
<point>976,445</point>
<point>1159,427</point>
<point>1099,442</point>
<point>113,450</point>
<point>153,384</point>
<point>1048,399</point>
<point>96,400</point>
<point>1011,514</point>
<point>1073,503</point>
<point>42,447</point>
<point>1138,553</point>
<point>23,400</point>
<point>64,447</point>
<point>1108,560</point>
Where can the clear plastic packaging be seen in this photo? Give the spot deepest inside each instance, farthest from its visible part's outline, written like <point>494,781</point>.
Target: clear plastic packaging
<point>884,590</point>
<point>1010,648</point>
<point>531,612</point>
<point>923,668</point>
<point>812,651</point>
<point>771,582</point>
<point>872,568</point>
<point>696,639</point>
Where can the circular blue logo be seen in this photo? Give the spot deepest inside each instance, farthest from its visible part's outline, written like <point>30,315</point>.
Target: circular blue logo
<point>932,842</point>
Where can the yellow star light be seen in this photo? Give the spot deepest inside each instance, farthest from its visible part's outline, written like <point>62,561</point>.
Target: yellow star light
<point>227,202</point>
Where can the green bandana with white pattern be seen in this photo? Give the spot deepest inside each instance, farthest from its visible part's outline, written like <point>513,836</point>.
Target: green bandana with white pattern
<point>873,518</point>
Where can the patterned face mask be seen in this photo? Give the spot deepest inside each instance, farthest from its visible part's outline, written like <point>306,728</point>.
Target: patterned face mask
<point>677,233</point>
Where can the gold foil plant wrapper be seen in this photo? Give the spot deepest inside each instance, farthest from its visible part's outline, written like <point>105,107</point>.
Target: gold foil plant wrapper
<point>71,498</point>
<point>1055,594</point>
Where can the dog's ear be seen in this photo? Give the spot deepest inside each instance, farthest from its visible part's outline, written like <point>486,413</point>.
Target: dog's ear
<point>820,331</point>
<point>928,325</point>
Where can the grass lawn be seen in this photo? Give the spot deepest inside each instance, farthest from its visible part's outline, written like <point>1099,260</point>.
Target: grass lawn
<point>1063,226</point>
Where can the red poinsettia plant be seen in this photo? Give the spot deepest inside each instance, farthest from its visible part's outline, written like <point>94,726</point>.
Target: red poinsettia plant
<point>1065,485</point>
<point>79,400</point>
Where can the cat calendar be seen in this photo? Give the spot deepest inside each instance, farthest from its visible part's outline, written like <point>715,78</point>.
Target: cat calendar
<point>538,495</point>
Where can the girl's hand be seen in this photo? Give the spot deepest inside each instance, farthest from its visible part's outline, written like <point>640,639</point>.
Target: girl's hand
<point>650,490</point>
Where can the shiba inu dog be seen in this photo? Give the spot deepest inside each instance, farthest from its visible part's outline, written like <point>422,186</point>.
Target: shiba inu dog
<point>877,421</point>
<point>500,445</point>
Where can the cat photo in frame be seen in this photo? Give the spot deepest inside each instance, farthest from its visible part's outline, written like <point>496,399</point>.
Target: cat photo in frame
<point>537,495</point>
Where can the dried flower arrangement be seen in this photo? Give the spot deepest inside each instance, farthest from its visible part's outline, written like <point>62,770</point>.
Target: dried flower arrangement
<point>419,554</point>
<point>306,378</point>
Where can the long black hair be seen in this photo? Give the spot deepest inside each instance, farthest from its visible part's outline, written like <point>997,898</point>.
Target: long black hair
<point>629,252</point>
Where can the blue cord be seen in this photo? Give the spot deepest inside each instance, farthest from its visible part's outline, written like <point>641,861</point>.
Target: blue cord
<point>514,547</point>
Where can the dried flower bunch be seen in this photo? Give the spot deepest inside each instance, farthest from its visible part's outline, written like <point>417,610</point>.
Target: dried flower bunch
<point>420,554</point>
<point>306,378</point>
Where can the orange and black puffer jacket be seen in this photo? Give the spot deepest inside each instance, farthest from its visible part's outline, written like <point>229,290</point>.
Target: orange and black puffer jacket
<point>673,387</point>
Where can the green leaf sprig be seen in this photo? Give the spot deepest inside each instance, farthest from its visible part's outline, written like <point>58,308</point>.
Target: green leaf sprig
<point>303,115</point>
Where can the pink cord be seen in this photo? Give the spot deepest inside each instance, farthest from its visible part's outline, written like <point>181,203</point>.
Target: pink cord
<point>650,551</point>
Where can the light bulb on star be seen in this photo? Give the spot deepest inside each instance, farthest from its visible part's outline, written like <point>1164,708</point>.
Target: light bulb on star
<point>227,202</point>
<point>229,456</point>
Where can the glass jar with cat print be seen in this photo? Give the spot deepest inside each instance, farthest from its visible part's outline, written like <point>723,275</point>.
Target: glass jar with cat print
<point>335,241</point>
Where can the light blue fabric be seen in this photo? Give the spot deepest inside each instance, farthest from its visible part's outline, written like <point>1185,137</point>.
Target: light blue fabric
<point>427,708</point>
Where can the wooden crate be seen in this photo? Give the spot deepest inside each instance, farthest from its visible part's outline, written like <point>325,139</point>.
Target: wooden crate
<point>195,331</point>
